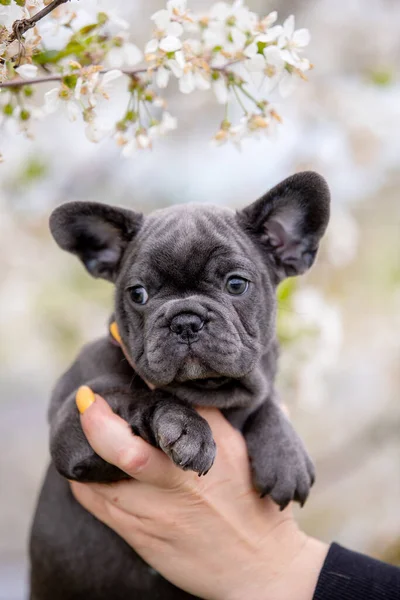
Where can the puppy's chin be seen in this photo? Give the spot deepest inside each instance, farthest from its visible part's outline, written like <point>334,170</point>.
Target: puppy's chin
<point>193,368</point>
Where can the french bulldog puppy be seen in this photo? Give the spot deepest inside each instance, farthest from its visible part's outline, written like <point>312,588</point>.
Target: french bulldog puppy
<point>195,307</point>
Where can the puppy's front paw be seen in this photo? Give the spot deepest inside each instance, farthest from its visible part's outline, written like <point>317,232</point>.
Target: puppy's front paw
<point>185,437</point>
<point>283,469</point>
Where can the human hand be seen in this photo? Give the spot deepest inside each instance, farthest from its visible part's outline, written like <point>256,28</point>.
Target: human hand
<point>211,536</point>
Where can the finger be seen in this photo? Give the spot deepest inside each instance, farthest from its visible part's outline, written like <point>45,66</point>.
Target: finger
<point>113,440</point>
<point>114,331</point>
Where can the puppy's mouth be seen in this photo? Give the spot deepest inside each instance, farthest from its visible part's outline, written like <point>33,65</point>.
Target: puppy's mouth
<point>209,383</point>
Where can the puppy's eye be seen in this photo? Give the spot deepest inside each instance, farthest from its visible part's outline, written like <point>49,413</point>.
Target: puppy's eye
<point>237,285</point>
<point>138,294</point>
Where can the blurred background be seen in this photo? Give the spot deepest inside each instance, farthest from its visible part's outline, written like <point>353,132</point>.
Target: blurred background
<point>339,325</point>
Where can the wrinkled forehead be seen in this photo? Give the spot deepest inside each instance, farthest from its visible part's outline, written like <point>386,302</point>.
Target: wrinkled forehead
<point>185,241</point>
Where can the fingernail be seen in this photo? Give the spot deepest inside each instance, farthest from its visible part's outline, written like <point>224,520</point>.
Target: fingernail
<point>84,398</point>
<point>114,332</point>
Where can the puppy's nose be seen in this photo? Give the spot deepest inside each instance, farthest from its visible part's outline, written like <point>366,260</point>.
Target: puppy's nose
<point>187,326</point>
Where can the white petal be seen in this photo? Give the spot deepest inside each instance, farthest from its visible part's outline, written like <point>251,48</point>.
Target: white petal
<point>202,82</point>
<point>143,141</point>
<point>129,149</point>
<point>151,46</point>
<point>174,29</point>
<point>288,26</point>
<point>168,122</point>
<point>180,58</point>
<point>162,77</point>
<point>251,50</point>
<point>78,88</point>
<point>115,58</point>
<point>301,38</point>
<point>221,91</point>
<point>186,83</point>
<point>175,68</point>
<point>72,111</point>
<point>257,63</point>
<point>304,64</point>
<point>51,100</point>
<point>287,85</point>
<point>179,5</point>
<point>133,55</point>
<point>94,133</point>
<point>110,76</point>
<point>239,38</point>
<point>170,44</point>
<point>161,18</point>
<point>220,11</point>
<point>271,18</point>
<point>273,56</point>
<point>27,71</point>
<point>288,57</point>
<point>271,34</point>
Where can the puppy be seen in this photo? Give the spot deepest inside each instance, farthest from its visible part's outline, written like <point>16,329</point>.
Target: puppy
<point>195,307</point>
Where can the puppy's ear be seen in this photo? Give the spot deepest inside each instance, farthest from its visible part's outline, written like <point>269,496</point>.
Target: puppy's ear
<point>289,221</point>
<point>97,233</point>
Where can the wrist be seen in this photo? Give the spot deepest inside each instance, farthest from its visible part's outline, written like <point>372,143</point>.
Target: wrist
<point>286,566</point>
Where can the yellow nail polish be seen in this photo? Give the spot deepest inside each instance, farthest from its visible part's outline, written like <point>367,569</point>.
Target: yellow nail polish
<point>115,332</point>
<point>84,398</point>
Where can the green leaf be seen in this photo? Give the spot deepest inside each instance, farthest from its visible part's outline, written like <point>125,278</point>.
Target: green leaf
<point>70,81</point>
<point>20,2</point>
<point>47,56</point>
<point>261,47</point>
<point>87,29</point>
<point>5,2</point>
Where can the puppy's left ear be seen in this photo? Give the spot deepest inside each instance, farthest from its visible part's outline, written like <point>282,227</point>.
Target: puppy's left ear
<point>289,221</point>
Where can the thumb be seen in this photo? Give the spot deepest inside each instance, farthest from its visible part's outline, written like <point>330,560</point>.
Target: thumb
<point>111,438</point>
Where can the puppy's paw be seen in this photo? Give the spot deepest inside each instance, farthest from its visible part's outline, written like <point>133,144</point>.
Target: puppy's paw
<point>283,470</point>
<point>185,437</point>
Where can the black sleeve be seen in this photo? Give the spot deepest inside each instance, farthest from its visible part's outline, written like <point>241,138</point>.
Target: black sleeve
<point>347,575</point>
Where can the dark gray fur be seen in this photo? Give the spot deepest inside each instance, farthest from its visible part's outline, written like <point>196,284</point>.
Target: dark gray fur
<point>183,256</point>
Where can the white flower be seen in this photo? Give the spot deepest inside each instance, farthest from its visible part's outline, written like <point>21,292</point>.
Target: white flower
<point>170,44</point>
<point>187,83</point>
<point>292,42</point>
<point>89,85</point>
<point>95,132</point>
<point>269,20</point>
<point>162,77</point>
<point>169,31</point>
<point>174,65</point>
<point>177,6</point>
<point>53,102</point>
<point>126,54</point>
<point>27,71</point>
<point>168,123</point>
<point>129,149</point>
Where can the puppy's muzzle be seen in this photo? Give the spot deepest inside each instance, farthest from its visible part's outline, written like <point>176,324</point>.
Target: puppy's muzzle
<point>186,326</point>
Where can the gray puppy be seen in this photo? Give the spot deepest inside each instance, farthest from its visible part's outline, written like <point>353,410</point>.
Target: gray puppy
<point>195,306</point>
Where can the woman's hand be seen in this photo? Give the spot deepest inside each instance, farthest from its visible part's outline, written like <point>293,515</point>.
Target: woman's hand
<point>211,536</point>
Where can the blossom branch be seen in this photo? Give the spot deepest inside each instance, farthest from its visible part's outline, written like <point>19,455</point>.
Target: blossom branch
<point>21,26</point>
<point>16,83</point>
<point>199,53</point>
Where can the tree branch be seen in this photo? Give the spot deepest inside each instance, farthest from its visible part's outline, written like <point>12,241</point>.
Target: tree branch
<point>21,26</point>
<point>16,83</point>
